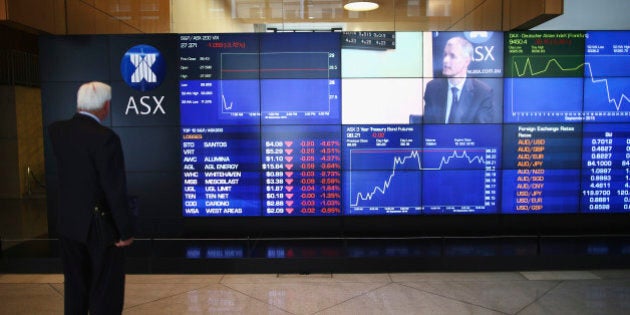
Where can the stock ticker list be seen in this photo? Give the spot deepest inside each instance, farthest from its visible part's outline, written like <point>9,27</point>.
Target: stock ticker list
<point>301,171</point>
<point>220,171</point>
<point>542,168</point>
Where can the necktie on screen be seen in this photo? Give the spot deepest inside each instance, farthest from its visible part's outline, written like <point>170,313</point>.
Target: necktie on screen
<point>454,104</point>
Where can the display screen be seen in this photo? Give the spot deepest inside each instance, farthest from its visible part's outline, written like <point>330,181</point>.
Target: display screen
<point>337,124</point>
<point>374,123</point>
<point>539,65</point>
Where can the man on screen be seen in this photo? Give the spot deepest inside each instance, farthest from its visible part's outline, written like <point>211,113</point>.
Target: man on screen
<point>458,99</point>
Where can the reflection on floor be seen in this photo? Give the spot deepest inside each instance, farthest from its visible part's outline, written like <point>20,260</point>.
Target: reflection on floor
<point>531,292</point>
<point>341,255</point>
<point>504,275</point>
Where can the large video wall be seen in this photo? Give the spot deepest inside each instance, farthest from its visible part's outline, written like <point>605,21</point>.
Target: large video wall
<point>364,123</point>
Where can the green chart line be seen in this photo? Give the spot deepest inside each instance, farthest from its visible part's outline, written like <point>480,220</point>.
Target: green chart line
<point>528,66</point>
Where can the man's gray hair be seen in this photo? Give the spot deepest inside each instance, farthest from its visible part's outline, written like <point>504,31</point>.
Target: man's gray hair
<point>93,95</point>
<point>466,46</point>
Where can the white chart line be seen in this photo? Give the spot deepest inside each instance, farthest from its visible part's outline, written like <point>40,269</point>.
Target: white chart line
<point>415,154</point>
<point>225,108</point>
<point>588,65</point>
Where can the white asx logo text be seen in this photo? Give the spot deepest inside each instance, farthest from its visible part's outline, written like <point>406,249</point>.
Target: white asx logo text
<point>149,105</point>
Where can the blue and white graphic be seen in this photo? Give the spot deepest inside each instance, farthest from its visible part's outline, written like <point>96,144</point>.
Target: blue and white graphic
<point>143,68</point>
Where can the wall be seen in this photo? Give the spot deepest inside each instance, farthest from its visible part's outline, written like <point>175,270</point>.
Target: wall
<point>485,16</point>
<point>199,16</point>
<point>43,15</point>
<point>591,15</point>
<point>117,17</point>
<point>9,185</point>
<point>30,142</point>
<point>20,111</point>
<point>21,135</point>
<point>21,140</point>
<point>88,16</point>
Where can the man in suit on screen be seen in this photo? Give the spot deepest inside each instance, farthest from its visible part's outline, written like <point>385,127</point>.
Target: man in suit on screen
<point>91,172</point>
<point>457,98</point>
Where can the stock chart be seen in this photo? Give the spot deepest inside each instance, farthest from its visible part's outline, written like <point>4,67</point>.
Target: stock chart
<point>263,133</point>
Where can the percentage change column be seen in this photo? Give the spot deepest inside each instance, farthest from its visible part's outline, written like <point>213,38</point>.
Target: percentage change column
<point>302,170</point>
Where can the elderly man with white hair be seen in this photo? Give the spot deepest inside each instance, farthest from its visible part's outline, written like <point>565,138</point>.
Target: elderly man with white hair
<point>91,171</point>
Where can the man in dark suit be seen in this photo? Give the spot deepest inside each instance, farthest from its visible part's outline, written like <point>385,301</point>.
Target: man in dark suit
<point>456,98</point>
<point>91,171</point>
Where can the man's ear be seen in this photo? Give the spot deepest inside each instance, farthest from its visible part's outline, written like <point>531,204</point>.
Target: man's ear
<point>104,112</point>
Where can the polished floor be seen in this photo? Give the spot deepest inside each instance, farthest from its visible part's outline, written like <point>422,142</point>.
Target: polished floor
<point>30,282</point>
<point>532,292</point>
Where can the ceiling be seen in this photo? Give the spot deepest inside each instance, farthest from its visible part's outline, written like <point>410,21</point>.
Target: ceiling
<point>181,16</point>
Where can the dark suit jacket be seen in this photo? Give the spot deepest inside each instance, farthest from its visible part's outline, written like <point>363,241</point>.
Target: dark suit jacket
<point>91,169</point>
<point>476,104</point>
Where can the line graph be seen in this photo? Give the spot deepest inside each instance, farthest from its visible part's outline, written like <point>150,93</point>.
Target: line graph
<point>467,162</point>
<point>608,60</point>
<point>588,72</point>
<point>382,189</point>
<point>237,103</point>
<point>286,84</point>
<point>608,52</point>
<point>225,104</point>
<point>544,88</point>
<point>466,184</point>
<point>544,54</point>
<point>393,178</point>
<point>606,90</point>
<point>610,99</point>
<point>569,98</point>
<point>547,69</point>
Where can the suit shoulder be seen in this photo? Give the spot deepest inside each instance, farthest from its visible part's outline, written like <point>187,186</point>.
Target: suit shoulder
<point>481,85</point>
<point>58,127</point>
<point>80,127</point>
<point>58,124</point>
<point>436,83</point>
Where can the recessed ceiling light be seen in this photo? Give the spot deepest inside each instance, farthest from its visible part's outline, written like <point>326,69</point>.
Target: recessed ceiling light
<point>361,6</point>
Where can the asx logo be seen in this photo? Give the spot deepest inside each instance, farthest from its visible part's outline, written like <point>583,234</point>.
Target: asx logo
<point>478,36</point>
<point>143,69</point>
<point>483,52</point>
